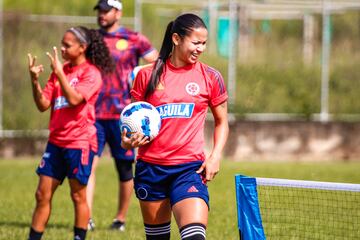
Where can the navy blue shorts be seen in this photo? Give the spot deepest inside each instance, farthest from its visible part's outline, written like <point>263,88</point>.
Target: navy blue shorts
<point>156,182</point>
<point>58,162</point>
<point>108,131</point>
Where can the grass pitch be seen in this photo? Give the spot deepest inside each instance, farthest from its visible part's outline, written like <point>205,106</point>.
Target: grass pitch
<point>18,182</point>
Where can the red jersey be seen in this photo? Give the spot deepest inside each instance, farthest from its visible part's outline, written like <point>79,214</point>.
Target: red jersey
<point>182,98</point>
<point>126,48</point>
<point>73,126</point>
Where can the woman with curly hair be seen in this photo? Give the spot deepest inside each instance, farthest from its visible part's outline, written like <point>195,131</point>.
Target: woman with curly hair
<point>71,92</point>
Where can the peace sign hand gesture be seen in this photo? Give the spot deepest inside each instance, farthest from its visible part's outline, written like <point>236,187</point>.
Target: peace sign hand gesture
<point>34,70</point>
<point>56,64</point>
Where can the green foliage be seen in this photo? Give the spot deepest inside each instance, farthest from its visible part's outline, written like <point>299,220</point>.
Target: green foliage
<point>273,89</point>
<point>63,7</point>
<point>346,26</point>
<point>21,38</point>
<point>345,81</point>
<point>17,201</point>
<point>272,79</point>
<point>278,28</point>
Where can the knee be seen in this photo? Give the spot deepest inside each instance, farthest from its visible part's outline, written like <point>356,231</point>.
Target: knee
<point>125,170</point>
<point>78,198</point>
<point>42,196</point>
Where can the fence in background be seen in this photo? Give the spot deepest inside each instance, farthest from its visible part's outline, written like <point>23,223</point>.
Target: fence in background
<point>248,30</point>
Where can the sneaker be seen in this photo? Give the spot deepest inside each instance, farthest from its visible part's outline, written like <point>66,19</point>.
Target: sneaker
<point>118,225</point>
<point>91,225</point>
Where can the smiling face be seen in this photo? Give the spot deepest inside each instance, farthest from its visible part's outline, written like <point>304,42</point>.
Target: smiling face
<point>187,49</point>
<point>71,49</point>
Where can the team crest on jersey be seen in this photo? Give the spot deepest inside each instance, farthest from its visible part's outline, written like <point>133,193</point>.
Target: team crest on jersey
<point>176,110</point>
<point>74,82</point>
<point>122,44</point>
<point>192,88</point>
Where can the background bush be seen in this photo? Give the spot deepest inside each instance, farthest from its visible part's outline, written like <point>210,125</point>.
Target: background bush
<point>272,80</point>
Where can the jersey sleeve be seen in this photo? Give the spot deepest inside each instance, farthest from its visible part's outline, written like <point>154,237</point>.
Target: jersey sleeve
<point>144,45</point>
<point>139,85</point>
<point>49,87</point>
<point>89,83</point>
<point>218,93</point>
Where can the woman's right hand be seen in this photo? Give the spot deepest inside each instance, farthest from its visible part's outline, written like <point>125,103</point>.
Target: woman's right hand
<point>33,69</point>
<point>135,140</point>
<point>56,64</point>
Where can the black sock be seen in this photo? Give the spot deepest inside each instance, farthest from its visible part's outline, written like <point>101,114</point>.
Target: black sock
<point>79,233</point>
<point>34,235</point>
<point>193,231</point>
<point>158,231</point>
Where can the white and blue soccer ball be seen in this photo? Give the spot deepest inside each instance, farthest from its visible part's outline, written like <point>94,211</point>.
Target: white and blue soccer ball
<point>140,117</point>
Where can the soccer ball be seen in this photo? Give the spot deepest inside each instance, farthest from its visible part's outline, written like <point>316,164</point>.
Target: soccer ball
<point>140,117</point>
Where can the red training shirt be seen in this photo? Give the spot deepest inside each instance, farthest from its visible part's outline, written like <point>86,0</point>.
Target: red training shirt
<point>73,126</point>
<point>182,98</point>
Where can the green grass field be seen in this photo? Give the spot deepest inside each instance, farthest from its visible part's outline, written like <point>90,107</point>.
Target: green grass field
<point>18,183</point>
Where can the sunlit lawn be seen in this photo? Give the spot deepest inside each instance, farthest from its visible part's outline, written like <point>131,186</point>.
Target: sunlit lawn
<point>18,182</point>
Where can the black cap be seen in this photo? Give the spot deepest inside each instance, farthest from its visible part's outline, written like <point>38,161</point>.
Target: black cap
<point>107,5</point>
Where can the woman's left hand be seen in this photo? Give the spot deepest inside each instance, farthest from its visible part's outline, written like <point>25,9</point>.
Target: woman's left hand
<point>56,64</point>
<point>135,140</point>
<point>210,167</point>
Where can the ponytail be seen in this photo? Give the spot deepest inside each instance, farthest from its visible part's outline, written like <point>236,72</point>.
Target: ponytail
<point>164,54</point>
<point>98,53</point>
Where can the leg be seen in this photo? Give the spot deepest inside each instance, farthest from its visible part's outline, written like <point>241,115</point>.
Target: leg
<point>90,189</point>
<point>79,162</point>
<point>189,199</point>
<point>191,215</point>
<point>157,218</point>
<point>126,185</point>
<point>81,208</point>
<point>190,210</point>
<point>78,196</point>
<point>125,192</point>
<point>123,161</point>
<point>51,172</point>
<point>43,195</point>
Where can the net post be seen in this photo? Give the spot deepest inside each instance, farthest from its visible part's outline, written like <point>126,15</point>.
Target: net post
<point>248,210</point>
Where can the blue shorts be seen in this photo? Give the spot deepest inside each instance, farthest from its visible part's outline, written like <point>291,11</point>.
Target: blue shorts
<point>156,182</point>
<point>108,131</point>
<point>58,162</point>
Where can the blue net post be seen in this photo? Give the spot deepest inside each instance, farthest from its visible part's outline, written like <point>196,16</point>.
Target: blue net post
<point>248,210</point>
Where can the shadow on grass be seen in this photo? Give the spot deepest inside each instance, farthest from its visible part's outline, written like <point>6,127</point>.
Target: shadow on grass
<point>27,224</point>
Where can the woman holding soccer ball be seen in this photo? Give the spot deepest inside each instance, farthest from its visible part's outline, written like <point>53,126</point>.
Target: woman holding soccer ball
<point>70,92</point>
<point>172,169</point>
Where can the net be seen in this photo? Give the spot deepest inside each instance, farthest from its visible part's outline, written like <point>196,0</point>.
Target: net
<point>292,209</point>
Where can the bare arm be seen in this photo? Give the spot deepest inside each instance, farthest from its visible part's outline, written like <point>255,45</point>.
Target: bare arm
<point>72,96</point>
<point>42,103</point>
<point>212,164</point>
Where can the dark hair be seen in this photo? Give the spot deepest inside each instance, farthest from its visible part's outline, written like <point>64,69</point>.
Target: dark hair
<point>96,52</point>
<point>183,25</point>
